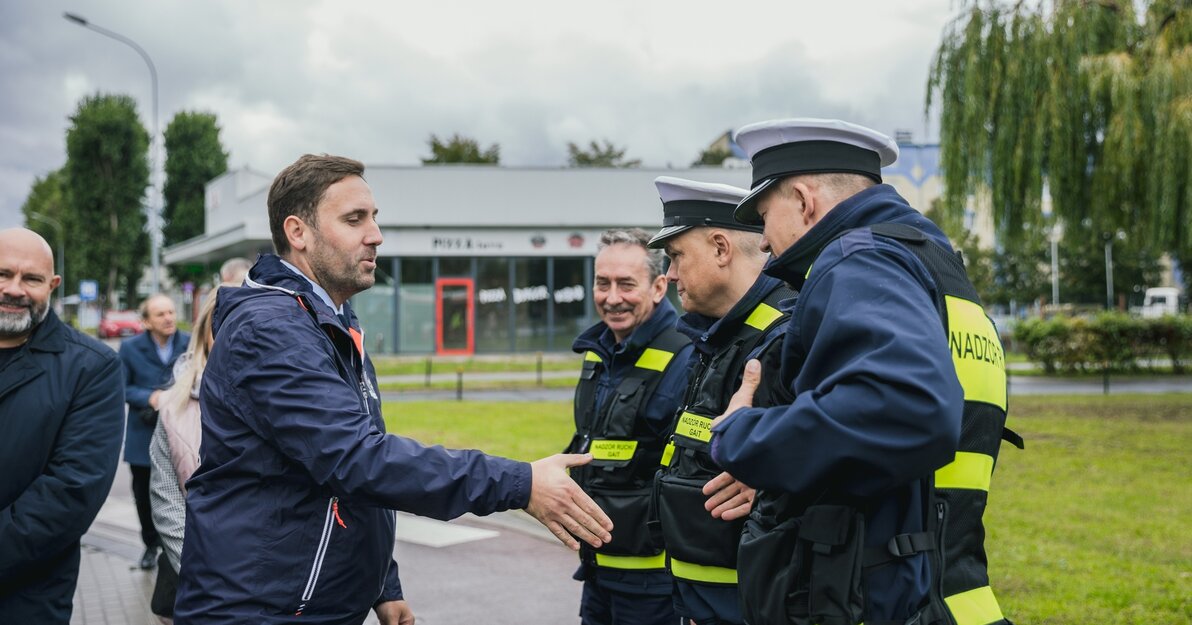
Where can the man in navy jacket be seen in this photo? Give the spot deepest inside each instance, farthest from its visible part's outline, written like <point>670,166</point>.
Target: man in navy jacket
<point>290,515</point>
<point>877,405</point>
<point>61,414</point>
<point>148,360</point>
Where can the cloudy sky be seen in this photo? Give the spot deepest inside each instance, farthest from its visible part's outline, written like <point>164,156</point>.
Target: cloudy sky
<point>373,79</point>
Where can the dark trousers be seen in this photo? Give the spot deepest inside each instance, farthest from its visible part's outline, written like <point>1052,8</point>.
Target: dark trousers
<point>604,606</point>
<point>140,494</point>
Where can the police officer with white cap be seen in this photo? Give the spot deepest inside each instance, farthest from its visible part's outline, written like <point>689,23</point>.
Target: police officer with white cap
<point>870,497</point>
<point>733,314</point>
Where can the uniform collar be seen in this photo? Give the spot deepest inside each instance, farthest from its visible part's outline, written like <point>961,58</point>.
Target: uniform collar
<point>599,338</point>
<point>708,332</point>
<point>874,205</point>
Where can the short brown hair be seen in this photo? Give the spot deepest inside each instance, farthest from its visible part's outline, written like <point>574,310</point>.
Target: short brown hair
<point>299,188</point>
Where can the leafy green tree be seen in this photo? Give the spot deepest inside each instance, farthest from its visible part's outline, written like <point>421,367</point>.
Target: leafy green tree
<point>712,156</point>
<point>1083,97</point>
<point>107,174</point>
<point>461,149</point>
<point>194,156</point>
<point>45,204</point>
<point>603,154</point>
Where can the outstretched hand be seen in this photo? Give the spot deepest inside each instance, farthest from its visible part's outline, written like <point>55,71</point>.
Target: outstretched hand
<point>565,509</point>
<point>743,398</point>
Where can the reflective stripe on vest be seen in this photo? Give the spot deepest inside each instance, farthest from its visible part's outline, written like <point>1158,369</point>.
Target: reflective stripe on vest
<point>700,573</point>
<point>592,356</point>
<point>762,316</point>
<point>974,607</point>
<point>632,563</point>
<point>654,359</point>
<point>969,470</point>
<point>608,449</point>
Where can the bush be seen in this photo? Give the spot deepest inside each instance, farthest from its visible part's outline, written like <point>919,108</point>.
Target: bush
<point>1109,341</point>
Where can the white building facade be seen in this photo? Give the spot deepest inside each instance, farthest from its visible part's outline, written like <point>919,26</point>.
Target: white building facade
<point>476,259</point>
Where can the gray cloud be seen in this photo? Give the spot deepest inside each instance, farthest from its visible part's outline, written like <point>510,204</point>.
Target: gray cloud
<point>287,78</point>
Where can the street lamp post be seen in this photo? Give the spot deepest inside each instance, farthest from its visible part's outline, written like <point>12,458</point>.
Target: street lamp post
<point>1057,232</point>
<point>1109,237</point>
<point>155,201</point>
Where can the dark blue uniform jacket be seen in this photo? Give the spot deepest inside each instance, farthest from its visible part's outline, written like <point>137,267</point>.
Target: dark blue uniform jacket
<point>61,418</point>
<point>703,602</point>
<point>144,372</point>
<point>878,404</point>
<point>290,515</point>
<point>659,413</point>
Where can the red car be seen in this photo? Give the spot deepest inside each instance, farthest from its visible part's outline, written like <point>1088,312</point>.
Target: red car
<point>120,323</point>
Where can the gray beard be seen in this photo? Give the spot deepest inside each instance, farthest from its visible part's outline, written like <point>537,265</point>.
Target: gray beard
<point>14,325</point>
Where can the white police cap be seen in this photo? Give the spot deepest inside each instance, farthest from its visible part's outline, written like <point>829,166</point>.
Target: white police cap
<point>688,204</point>
<point>786,147</point>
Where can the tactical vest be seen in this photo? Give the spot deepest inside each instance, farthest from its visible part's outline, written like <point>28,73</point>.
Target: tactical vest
<point>700,548</point>
<point>819,553</point>
<point>625,453</point>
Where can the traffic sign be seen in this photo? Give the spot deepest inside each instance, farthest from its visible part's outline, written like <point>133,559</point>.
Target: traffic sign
<point>88,290</point>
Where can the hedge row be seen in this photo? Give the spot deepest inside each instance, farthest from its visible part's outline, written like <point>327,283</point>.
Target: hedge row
<point>1110,340</point>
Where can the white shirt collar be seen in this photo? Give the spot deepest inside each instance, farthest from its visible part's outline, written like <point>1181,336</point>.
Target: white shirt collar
<point>320,291</point>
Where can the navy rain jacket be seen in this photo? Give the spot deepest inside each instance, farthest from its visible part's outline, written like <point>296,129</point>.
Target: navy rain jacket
<point>659,414</point>
<point>61,418</point>
<point>877,402</point>
<point>290,515</point>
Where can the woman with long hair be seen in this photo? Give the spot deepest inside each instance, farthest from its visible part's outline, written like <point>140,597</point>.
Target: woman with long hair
<point>174,455</point>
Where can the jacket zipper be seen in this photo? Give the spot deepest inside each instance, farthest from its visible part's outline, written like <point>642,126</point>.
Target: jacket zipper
<point>328,523</point>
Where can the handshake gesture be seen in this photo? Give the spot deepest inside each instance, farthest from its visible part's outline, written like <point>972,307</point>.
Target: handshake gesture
<point>562,506</point>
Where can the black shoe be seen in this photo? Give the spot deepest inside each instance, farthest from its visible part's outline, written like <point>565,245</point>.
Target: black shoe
<point>149,558</point>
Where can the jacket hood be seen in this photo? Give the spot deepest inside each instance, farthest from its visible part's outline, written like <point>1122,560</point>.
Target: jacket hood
<point>599,338</point>
<point>875,205</point>
<point>269,278</point>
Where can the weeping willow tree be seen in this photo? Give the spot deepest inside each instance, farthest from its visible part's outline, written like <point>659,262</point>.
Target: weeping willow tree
<point>1088,101</point>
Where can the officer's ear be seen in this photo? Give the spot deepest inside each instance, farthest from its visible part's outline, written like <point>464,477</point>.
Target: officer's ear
<point>658,288</point>
<point>809,209</point>
<point>723,247</point>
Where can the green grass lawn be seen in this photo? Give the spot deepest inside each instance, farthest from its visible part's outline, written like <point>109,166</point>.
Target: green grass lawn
<point>521,430</point>
<point>416,365</point>
<point>1087,525</point>
<point>481,385</point>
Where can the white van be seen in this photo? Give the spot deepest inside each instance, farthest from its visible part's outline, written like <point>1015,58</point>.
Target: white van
<point>1160,301</point>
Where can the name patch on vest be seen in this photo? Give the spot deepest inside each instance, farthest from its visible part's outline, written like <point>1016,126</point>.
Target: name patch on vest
<point>694,426</point>
<point>606,449</point>
<point>976,352</point>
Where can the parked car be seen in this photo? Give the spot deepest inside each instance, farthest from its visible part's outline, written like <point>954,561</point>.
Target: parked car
<point>120,323</point>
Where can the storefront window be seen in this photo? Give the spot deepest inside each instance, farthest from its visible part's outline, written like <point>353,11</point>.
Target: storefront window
<point>492,305</point>
<point>531,296</point>
<point>570,297</point>
<point>416,306</point>
<point>374,308</point>
<point>455,267</point>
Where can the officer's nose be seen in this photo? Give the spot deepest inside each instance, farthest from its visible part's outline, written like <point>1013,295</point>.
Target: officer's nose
<point>765,245</point>
<point>671,274</point>
<point>614,295</point>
